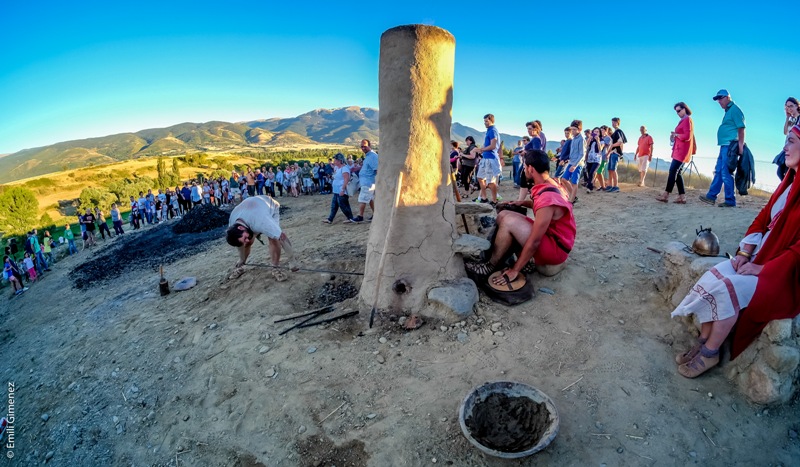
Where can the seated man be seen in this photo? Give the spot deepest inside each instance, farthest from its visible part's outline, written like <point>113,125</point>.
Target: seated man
<point>547,239</point>
<point>252,217</point>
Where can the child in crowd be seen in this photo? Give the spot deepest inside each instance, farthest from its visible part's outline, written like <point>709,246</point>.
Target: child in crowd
<point>12,276</point>
<point>217,194</point>
<point>175,205</point>
<point>28,262</point>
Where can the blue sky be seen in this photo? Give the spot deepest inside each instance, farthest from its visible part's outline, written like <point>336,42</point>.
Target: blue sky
<point>71,70</point>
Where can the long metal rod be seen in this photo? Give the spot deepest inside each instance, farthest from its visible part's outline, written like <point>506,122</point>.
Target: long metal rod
<point>349,314</point>
<point>311,312</point>
<point>295,269</point>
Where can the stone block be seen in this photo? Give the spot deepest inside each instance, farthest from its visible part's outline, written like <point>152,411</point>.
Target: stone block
<point>550,270</point>
<point>472,208</point>
<point>458,296</point>
<point>779,330</point>
<point>781,358</point>
<point>470,245</point>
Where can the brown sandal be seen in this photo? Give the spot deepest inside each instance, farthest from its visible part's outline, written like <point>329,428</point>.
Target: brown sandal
<point>481,269</point>
<point>698,365</point>
<point>662,199</point>
<point>687,356</point>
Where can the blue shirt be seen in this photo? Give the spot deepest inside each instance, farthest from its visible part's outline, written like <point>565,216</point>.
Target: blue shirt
<point>564,156</point>
<point>366,176</point>
<point>186,192</point>
<point>729,128</point>
<point>576,151</point>
<point>491,133</point>
<point>533,144</point>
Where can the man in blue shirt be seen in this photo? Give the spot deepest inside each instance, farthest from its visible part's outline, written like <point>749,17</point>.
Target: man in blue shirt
<point>731,131</point>
<point>489,168</point>
<point>366,177</point>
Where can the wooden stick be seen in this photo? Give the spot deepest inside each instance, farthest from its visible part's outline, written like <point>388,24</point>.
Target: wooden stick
<point>654,250</point>
<point>573,384</point>
<point>382,261</point>
<point>334,411</point>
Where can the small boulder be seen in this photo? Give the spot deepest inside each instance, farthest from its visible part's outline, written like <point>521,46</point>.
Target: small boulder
<point>458,296</point>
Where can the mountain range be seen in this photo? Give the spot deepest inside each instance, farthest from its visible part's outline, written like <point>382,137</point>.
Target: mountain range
<point>342,126</point>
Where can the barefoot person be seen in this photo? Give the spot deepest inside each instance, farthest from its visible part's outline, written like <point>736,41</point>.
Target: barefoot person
<point>252,217</point>
<point>757,285</point>
<point>547,239</point>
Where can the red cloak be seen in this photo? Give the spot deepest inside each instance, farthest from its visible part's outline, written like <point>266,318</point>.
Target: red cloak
<point>777,294</point>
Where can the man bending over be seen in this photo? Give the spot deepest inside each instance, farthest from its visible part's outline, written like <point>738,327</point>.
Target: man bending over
<point>253,217</point>
<point>547,239</point>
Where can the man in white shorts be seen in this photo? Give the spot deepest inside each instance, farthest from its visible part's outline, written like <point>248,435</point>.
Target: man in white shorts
<point>489,168</point>
<point>255,216</point>
<point>644,153</point>
<point>366,177</point>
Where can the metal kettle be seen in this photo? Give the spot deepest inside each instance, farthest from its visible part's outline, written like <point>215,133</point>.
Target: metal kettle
<point>706,243</point>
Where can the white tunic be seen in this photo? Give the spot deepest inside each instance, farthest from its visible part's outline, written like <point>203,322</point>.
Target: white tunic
<point>721,292</point>
<point>261,214</point>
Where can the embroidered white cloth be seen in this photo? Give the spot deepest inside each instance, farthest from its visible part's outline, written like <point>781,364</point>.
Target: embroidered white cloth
<point>721,292</point>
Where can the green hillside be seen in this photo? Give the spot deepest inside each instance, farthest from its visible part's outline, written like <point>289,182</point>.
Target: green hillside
<point>346,125</point>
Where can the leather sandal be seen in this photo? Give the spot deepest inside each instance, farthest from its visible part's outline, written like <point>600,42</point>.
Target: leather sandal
<point>529,268</point>
<point>481,269</point>
<point>698,365</point>
<point>687,356</point>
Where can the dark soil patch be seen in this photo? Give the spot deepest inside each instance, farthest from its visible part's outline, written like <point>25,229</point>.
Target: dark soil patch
<point>147,250</point>
<point>201,219</point>
<point>508,424</point>
<point>320,451</point>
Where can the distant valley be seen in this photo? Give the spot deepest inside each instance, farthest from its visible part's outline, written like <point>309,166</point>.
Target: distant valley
<point>318,128</point>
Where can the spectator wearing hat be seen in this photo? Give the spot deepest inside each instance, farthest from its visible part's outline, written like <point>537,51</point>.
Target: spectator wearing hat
<point>730,132</point>
<point>340,200</point>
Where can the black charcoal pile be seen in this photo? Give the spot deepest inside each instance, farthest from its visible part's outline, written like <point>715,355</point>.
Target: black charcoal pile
<point>201,218</point>
<point>146,250</point>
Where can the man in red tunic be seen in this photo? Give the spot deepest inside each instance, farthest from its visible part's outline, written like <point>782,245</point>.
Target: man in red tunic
<point>548,238</point>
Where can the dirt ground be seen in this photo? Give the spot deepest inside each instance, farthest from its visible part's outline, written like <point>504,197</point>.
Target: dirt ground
<point>117,375</point>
